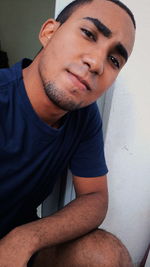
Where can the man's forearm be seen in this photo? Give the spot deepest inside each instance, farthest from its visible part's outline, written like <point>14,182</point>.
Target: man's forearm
<point>77,218</point>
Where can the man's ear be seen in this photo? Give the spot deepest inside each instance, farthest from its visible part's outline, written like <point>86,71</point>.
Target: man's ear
<point>47,31</point>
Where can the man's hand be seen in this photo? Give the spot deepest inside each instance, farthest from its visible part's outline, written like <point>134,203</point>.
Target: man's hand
<point>14,249</point>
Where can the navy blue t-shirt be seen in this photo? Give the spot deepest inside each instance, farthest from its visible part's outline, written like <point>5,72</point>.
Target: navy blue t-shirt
<point>33,154</point>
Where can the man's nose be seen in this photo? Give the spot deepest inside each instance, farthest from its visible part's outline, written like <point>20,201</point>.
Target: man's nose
<point>95,62</point>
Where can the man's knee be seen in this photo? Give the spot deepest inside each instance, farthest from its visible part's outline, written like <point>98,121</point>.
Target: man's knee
<point>98,248</point>
<point>111,250</point>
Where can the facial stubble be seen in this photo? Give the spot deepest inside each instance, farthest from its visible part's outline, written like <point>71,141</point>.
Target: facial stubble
<point>60,98</point>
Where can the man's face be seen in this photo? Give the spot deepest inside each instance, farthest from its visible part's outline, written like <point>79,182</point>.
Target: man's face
<point>82,58</point>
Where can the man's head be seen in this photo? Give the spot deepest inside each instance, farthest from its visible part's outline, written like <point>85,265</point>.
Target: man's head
<point>84,51</point>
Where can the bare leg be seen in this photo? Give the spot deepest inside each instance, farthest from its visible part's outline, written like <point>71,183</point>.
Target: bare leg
<point>96,249</point>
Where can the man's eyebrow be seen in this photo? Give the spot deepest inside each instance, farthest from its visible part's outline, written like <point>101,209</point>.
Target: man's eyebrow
<point>107,33</point>
<point>122,51</point>
<point>100,26</point>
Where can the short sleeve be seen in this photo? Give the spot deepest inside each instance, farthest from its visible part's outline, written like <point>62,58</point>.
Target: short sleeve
<point>88,159</point>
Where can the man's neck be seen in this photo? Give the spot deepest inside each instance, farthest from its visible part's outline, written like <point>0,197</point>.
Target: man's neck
<point>44,108</point>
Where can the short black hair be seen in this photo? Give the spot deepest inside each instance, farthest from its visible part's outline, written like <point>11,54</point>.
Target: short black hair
<point>69,9</point>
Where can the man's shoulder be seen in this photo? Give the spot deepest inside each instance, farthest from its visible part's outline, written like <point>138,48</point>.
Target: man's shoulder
<point>8,75</point>
<point>5,76</point>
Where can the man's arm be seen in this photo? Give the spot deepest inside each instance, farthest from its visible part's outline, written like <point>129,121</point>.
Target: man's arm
<point>80,216</point>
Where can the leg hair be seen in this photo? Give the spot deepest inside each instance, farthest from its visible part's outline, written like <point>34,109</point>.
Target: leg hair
<point>99,248</point>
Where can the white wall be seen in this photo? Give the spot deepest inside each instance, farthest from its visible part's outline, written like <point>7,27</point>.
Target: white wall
<point>128,144</point>
<point>127,141</point>
<point>59,5</point>
<point>20,23</point>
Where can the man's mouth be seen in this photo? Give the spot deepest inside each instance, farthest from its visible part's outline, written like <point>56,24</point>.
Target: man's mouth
<point>79,81</point>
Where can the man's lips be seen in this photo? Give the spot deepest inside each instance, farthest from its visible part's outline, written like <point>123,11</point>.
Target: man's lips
<point>79,81</point>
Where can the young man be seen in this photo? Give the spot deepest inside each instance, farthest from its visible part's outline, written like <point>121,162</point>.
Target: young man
<point>49,121</point>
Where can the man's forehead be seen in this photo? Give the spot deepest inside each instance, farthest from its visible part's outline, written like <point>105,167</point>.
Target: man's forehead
<point>111,15</point>
<point>96,5</point>
<point>99,8</point>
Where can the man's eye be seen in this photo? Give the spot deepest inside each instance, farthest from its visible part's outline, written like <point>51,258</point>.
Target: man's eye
<point>89,34</point>
<point>114,61</point>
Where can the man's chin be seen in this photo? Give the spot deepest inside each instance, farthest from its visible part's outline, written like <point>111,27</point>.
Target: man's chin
<point>67,106</point>
<point>60,99</point>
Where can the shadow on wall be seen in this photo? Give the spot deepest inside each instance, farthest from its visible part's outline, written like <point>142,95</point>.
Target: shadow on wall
<point>3,58</point>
